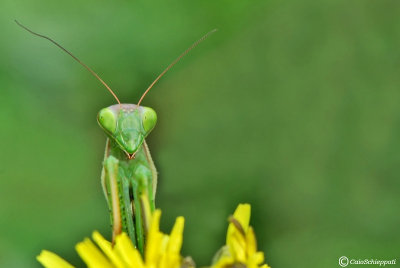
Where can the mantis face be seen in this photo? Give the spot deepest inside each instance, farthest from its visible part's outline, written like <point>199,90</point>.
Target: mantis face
<point>128,125</point>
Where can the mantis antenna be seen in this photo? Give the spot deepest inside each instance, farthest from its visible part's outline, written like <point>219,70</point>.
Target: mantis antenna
<point>174,62</point>
<point>101,80</point>
<point>75,58</point>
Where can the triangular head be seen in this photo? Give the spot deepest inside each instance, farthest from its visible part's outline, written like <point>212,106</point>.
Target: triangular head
<point>128,125</point>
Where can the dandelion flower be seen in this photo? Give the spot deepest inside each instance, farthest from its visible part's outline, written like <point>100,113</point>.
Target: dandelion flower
<point>241,246</point>
<point>161,250</point>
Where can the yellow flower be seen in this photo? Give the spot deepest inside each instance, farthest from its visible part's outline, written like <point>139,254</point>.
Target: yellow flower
<point>161,250</point>
<point>241,246</point>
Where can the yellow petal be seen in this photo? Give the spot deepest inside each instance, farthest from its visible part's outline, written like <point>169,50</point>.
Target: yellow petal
<point>91,255</point>
<point>238,238</point>
<point>154,240</point>
<point>107,249</point>
<point>242,215</point>
<point>251,242</point>
<point>146,211</point>
<point>163,261</point>
<point>128,253</point>
<point>238,252</point>
<point>170,261</point>
<point>174,261</point>
<point>155,222</point>
<point>50,260</point>
<point>176,237</point>
<point>164,244</point>
<point>256,259</point>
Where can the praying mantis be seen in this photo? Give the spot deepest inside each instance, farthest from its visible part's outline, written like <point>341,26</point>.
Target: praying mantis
<point>129,177</point>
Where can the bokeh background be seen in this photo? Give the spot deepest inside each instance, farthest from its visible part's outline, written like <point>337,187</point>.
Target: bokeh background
<point>292,106</point>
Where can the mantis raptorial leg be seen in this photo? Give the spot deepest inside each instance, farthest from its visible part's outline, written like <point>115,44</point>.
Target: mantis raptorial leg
<point>129,177</point>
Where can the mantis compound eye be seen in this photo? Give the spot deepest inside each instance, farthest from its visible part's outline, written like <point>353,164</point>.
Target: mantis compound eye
<point>107,120</point>
<point>149,119</point>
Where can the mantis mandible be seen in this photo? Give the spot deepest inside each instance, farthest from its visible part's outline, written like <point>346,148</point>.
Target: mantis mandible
<point>128,174</point>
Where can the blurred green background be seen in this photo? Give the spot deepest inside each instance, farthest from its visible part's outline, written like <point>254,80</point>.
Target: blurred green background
<point>292,106</point>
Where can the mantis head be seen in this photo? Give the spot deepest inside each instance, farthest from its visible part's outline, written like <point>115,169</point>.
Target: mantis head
<point>128,125</point>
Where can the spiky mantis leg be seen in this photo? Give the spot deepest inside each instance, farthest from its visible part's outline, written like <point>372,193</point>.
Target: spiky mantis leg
<point>117,189</point>
<point>152,179</point>
<point>114,201</point>
<point>142,188</point>
<point>125,189</point>
<point>138,215</point>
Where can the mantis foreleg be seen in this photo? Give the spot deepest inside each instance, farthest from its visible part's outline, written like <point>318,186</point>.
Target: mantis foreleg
<point>138,215</point>
<point>111,183</point>
<point>126,183</point>
<point>119,198</point>
<point>128,208</point>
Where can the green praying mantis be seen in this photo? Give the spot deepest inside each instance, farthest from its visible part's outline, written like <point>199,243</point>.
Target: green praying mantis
<point>129,177</point>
